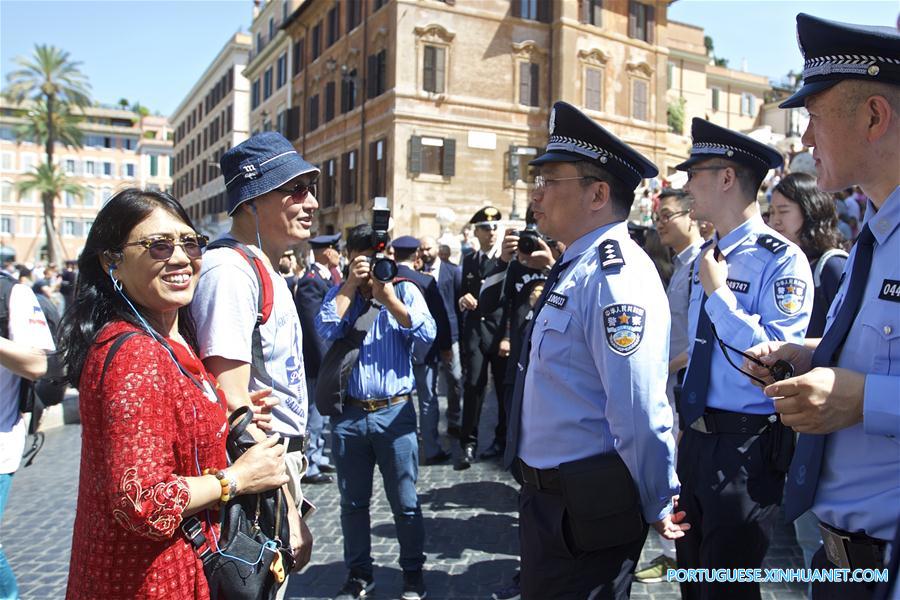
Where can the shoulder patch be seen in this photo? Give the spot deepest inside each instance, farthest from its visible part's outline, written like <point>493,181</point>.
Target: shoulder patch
<point>624,325</point>
<point>610,255</point>
<point>771,243</point>
<point>790,292</point>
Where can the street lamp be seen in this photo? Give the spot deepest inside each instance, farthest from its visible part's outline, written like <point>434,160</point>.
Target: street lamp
<point>514,167</point>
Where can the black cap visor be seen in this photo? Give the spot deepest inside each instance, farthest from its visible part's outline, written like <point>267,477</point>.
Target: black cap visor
<point>808,89</point>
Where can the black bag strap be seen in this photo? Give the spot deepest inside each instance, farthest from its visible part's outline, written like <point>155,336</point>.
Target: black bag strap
<point>117,343</point>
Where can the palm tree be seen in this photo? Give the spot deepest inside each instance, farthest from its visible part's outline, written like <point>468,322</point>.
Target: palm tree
<point>51,76</point>
<point>51,182</point>
<point>65,126</point>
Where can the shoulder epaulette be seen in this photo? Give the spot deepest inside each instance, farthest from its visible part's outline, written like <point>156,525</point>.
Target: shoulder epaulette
<point>610,255</point>
<point>771,243</point>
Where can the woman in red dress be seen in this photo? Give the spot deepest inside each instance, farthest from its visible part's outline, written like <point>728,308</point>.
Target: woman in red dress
<point>152,420</point>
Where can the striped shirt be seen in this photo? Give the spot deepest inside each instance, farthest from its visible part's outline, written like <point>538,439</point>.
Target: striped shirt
<point>384,369</point>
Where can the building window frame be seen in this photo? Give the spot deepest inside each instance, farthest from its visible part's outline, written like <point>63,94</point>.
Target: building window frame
<point>641,21</point>
<point>591,12</point>
<point>432,155</point>
<point>715,98</point>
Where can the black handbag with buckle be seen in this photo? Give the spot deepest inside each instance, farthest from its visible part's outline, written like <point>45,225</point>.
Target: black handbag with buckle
<point>602,502</point>
<point>252,555</point>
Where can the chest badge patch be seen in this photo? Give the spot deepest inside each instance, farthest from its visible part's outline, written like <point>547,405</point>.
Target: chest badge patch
<point>789,295</point>
<point>624,327</point>
<point>890,290</point>
<point>557,300</point>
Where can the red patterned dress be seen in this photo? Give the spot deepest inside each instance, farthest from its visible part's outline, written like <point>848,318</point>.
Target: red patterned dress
<point>145,427</point>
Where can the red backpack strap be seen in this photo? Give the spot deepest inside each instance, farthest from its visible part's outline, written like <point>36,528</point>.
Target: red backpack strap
<point>266,299</point>
<point>264,303</point>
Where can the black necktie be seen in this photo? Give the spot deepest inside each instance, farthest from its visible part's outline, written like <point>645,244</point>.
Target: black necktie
<point>515,416</point>
<point>803,478</point>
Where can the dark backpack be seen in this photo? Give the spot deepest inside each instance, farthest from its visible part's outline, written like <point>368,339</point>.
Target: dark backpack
<point>50,390</point>
<point>264,301</point>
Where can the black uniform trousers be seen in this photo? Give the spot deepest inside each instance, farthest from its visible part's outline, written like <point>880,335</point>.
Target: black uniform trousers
<point>475,364</point>
<point>731,495</point>
<point>553,567</point>
<point>838,590</point>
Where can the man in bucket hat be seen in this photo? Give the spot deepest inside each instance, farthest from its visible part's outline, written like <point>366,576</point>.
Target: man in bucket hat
<point>271,200</point>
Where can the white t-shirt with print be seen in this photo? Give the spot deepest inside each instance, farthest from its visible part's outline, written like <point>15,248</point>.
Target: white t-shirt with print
<point>224,309</point>
<point>27,325</point>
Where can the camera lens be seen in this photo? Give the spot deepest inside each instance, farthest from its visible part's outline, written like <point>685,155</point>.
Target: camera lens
<point>384,269</point>
<point>527,241</point>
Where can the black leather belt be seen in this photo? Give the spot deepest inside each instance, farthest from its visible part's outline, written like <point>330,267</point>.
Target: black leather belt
<point>546,480</point>
<point>850,550</point>
<point>378,404</point>
<point>298,444</point>
<point>721,421</point>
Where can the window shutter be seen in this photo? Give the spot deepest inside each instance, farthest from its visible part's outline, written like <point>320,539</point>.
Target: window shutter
<point>448,169</point>
<point>535,84</point>
<point>632,18</point>
<point>524,82</point>
<point>545,11</point>
<point>293,123</point>
<point>372,76</point>
<point>592,87</point>
<point>382,72</point>
<point>651,22</point>
<point>415,154</point>
<point>428,73</point>
<point>439,70</point>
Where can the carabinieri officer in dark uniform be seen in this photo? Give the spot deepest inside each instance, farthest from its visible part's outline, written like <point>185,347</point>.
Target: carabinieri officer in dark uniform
<point>482,340</point>
<point>590,429</point>
<point>749,285</point>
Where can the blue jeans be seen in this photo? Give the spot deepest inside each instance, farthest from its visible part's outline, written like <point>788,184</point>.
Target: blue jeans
<point>315,451</point>
<point>429,411</point>
<point>8,588</point>
<point>386,437</point>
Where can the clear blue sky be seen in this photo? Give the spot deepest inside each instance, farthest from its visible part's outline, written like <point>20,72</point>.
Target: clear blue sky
<point>765,31</point>
<point>153,52</point>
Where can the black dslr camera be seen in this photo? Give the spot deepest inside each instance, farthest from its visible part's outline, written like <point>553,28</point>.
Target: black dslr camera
<point>383,268</point>
<point>528,239</point>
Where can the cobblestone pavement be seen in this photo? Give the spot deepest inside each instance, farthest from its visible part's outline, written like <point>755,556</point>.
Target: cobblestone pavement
<point>470,521</point>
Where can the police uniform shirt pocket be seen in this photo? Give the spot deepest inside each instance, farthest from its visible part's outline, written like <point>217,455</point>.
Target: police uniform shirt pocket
<point>881,331</point>
<point>551,325</point>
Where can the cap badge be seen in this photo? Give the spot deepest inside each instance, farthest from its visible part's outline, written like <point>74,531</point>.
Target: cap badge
<point>490,211</point>
<point>873,70</point>
<point>552,125</point>
<point>729,153</point>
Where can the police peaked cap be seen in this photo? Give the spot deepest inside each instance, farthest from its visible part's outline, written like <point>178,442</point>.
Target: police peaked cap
<point>324,241</point>
<point>576,137</point>
<point>405,242</point>
<point>713,141</point>
<point>486,215</point>
<point>834,51</point>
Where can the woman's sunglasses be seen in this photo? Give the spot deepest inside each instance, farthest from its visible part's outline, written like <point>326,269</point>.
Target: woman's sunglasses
<point>163,247</point>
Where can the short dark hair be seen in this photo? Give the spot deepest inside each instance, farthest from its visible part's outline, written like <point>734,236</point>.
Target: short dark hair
<point>749,179</point>
<point>404,254</point>
<point>819,232</point>
<point>622,196</point>
<point>96,303</point>
<point>683,199</point>
<point>359,239</point>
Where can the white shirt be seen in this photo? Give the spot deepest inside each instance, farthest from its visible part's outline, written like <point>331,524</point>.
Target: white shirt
<point>26,325</point>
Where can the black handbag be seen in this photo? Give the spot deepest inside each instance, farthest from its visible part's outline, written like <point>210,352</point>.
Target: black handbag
<point>255,533</point>
<point>338,363</point>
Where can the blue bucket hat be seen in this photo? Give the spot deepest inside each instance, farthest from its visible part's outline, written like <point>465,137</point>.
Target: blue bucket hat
<point>259,165</point>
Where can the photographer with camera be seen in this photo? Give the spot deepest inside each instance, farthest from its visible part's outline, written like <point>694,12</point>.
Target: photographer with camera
<point>377,422</point>
<point>525,259</point>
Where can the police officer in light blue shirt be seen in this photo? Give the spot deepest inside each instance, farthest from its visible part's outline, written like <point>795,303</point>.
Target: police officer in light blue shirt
<point>749,285</point>
<point>845,399</point>
<point>590,427</point>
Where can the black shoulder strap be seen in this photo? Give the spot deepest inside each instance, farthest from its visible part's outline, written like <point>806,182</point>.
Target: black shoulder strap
<point>610,255</point>
<point>6,285</point>
<point>116,345</point>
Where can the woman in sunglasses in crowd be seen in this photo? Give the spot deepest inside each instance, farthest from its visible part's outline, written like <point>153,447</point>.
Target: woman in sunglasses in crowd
<point>153,419</point>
